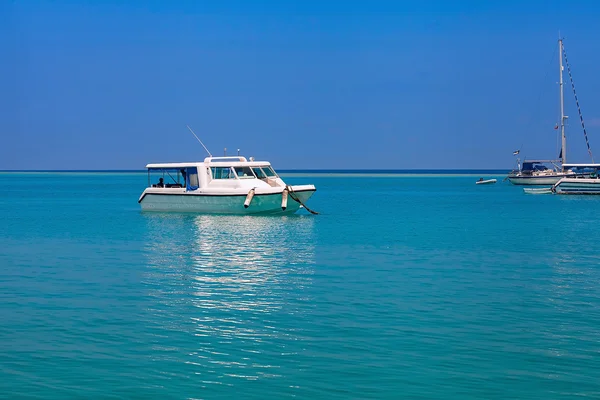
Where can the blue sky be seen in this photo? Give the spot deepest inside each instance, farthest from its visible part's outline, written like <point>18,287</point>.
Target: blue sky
<point>304,84</point>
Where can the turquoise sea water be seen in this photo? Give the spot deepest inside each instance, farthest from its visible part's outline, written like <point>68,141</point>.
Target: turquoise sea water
<point>404,287</point>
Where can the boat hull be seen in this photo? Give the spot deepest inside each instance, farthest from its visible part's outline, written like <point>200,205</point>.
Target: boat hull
<point>535,180</point>
<point>578,186</point>
<point>225,203</point>
<point>486,182</point>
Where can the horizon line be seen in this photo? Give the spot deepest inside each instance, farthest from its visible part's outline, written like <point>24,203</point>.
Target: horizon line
<point>315,170</point>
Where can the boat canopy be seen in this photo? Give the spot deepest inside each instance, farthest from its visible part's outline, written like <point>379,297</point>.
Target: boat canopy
<point>171,165</point>
<point>533,166</point>
<point>212,161</point>
<point>595,166</point>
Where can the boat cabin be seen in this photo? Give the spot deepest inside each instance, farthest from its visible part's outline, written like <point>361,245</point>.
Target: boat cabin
<point>584,170</point>
<point>530,167</point>
<point>214,172</point>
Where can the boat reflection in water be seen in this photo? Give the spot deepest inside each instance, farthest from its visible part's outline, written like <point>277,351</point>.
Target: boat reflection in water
<point>251,263</point>
<point>230,290</point>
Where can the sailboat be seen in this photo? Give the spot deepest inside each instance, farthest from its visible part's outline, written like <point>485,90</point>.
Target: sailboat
<point>549,172</point>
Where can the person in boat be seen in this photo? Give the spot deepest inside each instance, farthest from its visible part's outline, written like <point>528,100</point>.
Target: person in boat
<point>480,179</point>
<point>161,183</point>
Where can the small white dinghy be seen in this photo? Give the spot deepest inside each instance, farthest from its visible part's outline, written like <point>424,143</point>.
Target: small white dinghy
<point>546,190</point>
<point>484,182</point>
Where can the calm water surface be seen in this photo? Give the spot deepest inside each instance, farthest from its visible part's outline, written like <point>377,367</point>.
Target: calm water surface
<point>404,287</point>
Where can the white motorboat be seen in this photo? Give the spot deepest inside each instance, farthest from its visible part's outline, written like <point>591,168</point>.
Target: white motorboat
<point>482,181</point>
<point>589,184</point>
<point>222,185</point>
<point>549,172</point>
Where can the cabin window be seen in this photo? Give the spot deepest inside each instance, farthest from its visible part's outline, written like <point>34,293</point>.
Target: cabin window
<point>165,178</point>
<point>244,172</point>
<point>192,178</point>
<point>222,173</point>
<point>259,173</point>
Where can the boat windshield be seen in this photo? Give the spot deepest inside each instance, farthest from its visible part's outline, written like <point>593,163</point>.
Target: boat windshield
<point>259,173</point>
<point>222,173</point>
<point>264,172</point>
<point>244,172</point>
<point>269,171</point>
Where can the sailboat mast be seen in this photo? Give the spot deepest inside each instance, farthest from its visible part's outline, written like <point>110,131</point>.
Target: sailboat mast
<point>562,104</point>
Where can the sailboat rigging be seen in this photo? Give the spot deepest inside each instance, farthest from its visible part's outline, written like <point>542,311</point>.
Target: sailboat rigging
<point>537,172</point>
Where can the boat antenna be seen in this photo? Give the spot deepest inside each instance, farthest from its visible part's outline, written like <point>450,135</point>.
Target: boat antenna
<point>197,138</point>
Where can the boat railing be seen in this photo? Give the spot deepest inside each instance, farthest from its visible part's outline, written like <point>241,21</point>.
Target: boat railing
<point>226,159</point>
<point>167,185</point>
